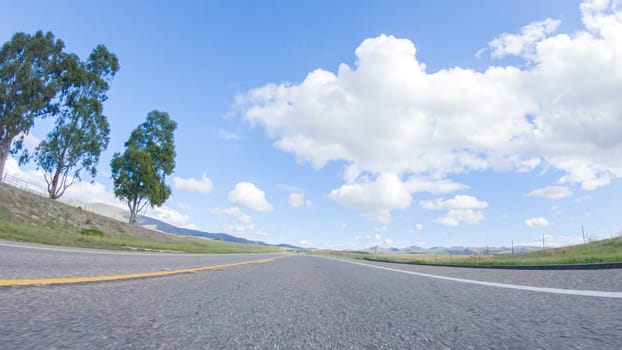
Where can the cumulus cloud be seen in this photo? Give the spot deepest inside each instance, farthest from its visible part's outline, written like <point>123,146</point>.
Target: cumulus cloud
<point>537,222</point>
<point>402,122</point>
<point>170,216</point>
<point>203,185</point>
<point>455,217</point>
<point>297,200</point>
<point>246,194</point>
<point>458,202</point>
<point>460,209</point>
<point>419,227</point>
<point>522,44</point>
<point>375,198</point>
<point>551,192</point>
<point>234,212</point>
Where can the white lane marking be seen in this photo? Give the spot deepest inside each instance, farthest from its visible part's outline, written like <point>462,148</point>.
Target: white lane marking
<point>110,252</point>
<point>587,293</point>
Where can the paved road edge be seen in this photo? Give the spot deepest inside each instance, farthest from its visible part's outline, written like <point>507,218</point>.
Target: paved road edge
<point>594,266</point>
<point>73,280</point>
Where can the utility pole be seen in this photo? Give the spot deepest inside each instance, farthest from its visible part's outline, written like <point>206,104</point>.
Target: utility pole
<point>542,241</point>
<point>512,247</point>
<point>583,231</point>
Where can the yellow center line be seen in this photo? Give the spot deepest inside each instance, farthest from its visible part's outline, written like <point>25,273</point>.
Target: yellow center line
<point>31,282</point>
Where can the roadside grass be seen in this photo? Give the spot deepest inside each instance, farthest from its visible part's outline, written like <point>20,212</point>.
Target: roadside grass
<point>604,251</point>
<point>67,236</point>
<point>27,217</point>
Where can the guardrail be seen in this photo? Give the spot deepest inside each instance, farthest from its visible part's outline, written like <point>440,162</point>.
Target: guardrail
<point>21,184</point>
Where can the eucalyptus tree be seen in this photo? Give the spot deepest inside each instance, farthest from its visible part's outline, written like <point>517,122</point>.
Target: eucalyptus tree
<point>28,86</point>
<point>139,173</point>
<point>81,132</point>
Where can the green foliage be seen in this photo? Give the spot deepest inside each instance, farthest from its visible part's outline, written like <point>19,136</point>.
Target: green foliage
<point>72,149</point>
<point>91,232</point>
<point>27,87</point>
<point>139,173</point>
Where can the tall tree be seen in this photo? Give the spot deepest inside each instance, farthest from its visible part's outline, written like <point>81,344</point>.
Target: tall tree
<point>72,149</point>
<point>27,86</point>
<point>139,173</point>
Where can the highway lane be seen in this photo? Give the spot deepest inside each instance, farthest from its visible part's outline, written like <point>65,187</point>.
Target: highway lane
<point>24,260</point>
<point>303,302</point>
<point>602,280</point>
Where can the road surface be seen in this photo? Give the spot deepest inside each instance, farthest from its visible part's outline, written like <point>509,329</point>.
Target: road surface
<point>300,302</point>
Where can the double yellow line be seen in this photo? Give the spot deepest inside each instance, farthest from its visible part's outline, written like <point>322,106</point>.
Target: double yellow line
<point>48,281</point>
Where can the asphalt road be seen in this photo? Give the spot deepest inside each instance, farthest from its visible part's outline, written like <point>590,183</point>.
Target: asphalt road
<point>305,302</point>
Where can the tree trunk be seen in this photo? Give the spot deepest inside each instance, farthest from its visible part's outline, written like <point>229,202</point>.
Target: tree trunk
<point>4,155</point>
<point>52,187</point>
<point>133,205</point>
<point>132,217</point>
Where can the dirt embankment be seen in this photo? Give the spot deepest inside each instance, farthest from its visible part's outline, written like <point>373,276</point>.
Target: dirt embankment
<point>23,207</point>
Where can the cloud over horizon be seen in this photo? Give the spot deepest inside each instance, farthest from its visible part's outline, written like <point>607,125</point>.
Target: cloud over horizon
<point>203,185</point>
<point>248,195</point>
<point>405,124</point>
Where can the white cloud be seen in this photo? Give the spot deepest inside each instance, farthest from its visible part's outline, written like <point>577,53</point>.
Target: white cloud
<point>460,209</point>
<point>245,231</point>
<point>551,192</point>
<point>228,135</point>
<point>248,195</point>
<point>419,227</point>
<point>297,200</point>
<point>522,44</point>
<point>402,122</point>
<point>458,202</point>
<point>304,243</point>
<point>170,216</point>
<point>376,198</point>
<point>233,212</point>
<point>537,222</point>
<point>183,206</point>
<point>30,140</point>
<point>203,185</point>
<point>455,217</point>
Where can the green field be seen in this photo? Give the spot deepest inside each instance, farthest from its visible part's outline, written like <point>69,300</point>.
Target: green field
<point>609,250</point>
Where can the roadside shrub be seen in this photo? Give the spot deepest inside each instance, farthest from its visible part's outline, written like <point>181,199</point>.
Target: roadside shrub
<point>92,232</point>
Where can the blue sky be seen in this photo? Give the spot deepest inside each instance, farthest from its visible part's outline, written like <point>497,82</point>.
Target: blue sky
<point>347,124</point>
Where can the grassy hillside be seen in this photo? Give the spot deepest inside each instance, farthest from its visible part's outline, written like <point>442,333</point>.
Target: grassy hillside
<point>31,218</point>
<point>609,250</point>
